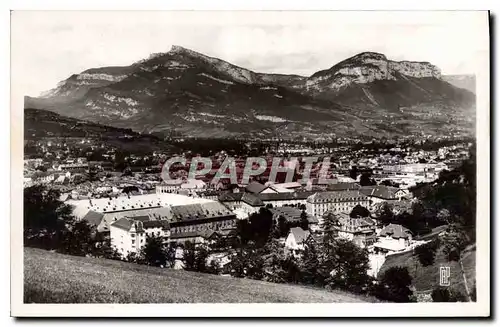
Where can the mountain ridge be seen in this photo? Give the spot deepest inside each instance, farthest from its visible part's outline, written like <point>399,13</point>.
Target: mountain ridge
<point>189,92</point>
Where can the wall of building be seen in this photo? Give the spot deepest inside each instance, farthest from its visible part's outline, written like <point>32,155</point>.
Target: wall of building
<point>318,209</point>
<point>199,225</point>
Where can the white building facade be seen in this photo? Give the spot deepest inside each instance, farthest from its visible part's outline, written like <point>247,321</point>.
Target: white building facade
<point>340,201</point>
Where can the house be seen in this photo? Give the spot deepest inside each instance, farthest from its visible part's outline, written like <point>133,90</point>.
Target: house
<point>73,167</point>
<point>255,187</point>
<point>194,184</point>
<point>103,220</point>
<point>250,203</point>
<point>338,201</point>
<point>398,207</point>
<point>359,230</point>
<point>282,199</point>
<point>393,238</point>
<point>381,193</point>
<point>231,200</point>
<point>208,194</point>
<point>289,185</point>
<point>128,235</point>
<point>209,236</point>
<point>296,239</point>
<point>169,186</point>
<point>201,216</point>
<point>194,237</point>
<point>343,187</point>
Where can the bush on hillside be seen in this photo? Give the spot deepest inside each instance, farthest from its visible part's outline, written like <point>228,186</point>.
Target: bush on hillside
<point>394,285</point>
<point>426,253</point>
<point>446,295</point>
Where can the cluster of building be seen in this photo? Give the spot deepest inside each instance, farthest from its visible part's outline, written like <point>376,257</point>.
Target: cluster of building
<point>205,216</point>
<point>130,208</point>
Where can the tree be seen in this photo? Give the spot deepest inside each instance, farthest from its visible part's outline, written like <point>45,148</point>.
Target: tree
<point>426,254</point>
<point>359,211</point>
<point>201,256</point>
<point>238,263</point>
<point>454,191</point>
<point>255,263</point>
<point>454,243</point>
<point>304,222</point>
<point>365,180</point>
<point>309,264</point>
<point>46,218</point>
<point>283,226</point>
<point>119,161</point>
<point>189,256</point>
<point>329,227</point>
<point>134,257</point>
<point>292,269</point>
<point>214,267</point>
<point>353,172</point>
<point>77,240</point>
<point>103,249</point>
<point>92,174</point>
<point>195,257</point>
<point>154,252</point>
<point>394,285</point>
<point>273,258</point>
<point>386,216</point>
<point>348,265</point>
<point>388,182</point>
<point>257,228</point>
<point>447,295</point>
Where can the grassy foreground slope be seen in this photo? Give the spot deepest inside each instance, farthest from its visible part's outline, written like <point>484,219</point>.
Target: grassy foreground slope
<point>427,278</point>
<point>56,278</point>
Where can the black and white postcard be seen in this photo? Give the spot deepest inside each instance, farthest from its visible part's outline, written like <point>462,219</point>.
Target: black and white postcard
<point>250,163</point>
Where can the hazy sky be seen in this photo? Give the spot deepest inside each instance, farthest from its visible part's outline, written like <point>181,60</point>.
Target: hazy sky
<point>48,47</point>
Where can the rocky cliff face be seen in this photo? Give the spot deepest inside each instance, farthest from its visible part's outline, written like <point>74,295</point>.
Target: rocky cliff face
<point>78,85</point>
<point>365,68</point>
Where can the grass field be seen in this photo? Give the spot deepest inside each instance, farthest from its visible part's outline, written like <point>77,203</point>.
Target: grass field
<point>427,278</point>
<point>55,278</point>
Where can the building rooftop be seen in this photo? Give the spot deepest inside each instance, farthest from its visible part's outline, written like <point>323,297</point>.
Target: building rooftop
<point>255,187</point>
<point>199,211</point>
<point>252,199</point>
<point>132,202</point>
<point>380,191</point>
<point>320,197</point>
<point>229,197</point>
<point>299,234</point>
<point>356,224</point>
<point>343,187</point>
<point>395,231</point>
<point>285,196</point>
<point>292,214</point>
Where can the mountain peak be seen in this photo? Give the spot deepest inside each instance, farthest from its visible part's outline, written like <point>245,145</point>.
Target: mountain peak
<point>369,55</point>
<point>177,49</point>
<point>367,67</point>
